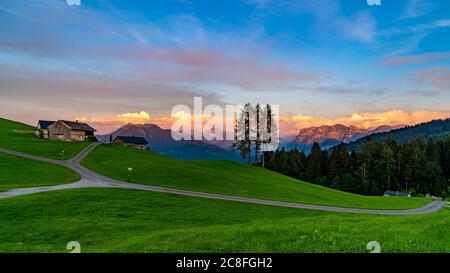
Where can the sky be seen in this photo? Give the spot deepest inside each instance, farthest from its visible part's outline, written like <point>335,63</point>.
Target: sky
<point>110,62</point>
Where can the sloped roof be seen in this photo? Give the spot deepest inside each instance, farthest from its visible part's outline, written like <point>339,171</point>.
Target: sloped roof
<point>396,193</point>
<point>78,126</point>
<point>45,123</point>
<point>132,140</point>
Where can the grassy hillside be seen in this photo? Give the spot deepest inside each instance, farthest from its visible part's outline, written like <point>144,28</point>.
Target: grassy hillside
<point>16,172</point>
<point>30,144</point>
<point>116,220</point>
<point>230,178</point>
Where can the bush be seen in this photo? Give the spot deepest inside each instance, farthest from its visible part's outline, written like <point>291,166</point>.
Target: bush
<point>444,195</point>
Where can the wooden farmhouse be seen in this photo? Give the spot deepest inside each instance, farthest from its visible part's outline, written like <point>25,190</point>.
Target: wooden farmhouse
<point>65,130</point>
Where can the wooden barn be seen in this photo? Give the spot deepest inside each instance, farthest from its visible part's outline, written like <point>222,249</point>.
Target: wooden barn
<point>135,142</point>
<point>69,131</point>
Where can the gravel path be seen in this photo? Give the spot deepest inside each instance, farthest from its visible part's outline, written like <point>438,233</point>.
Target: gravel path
<point>90,179</point>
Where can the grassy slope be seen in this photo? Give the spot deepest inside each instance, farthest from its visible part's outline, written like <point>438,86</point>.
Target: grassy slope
<point>228,178</point>
<point>115,220</point>
<point>16,172</point>
<point>30,144</point>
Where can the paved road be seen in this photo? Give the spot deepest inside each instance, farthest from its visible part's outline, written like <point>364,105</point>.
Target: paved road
<point>90,179</point>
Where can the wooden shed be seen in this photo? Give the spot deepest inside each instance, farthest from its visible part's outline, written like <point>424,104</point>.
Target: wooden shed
<point>135,142</point>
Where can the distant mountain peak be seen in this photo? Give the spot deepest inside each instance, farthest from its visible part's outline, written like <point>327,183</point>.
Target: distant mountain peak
<point>147,126</point>
<point>330,135</point>
<point>323,133</point>
<point>142,130</point>
<point>160,140</point>
<point>386,128</point>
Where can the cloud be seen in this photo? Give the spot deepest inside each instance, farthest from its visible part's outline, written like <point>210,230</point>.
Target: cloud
<point>178,49</point>
<point>424,93</point>
<point>244,68</point>
<point>70,93</point>
<point>414,29</point>
<point>107,61</point>
<point>436,76</point>
<point>258,3</point>
<point>184,56</point>
<point>289,124</point>
<point>362,27</point>
<point>133,116</point>
<point>413,59</point>
<point>107,124</point>
<point>418,8</point>
<point>329,19</point>
<point>403,39</point>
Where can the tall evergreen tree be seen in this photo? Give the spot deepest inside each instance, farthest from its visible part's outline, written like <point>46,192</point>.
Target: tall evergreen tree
<point>313,171</point>
<point>388,163</point>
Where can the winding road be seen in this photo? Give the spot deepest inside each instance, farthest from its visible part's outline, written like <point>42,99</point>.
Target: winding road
<point>90,179</point>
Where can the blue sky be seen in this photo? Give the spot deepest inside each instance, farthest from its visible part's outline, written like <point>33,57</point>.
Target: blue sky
<point>322,61</point>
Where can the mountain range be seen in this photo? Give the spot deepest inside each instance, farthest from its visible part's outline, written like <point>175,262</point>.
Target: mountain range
<point>161,141</point>
<point>330,135</point>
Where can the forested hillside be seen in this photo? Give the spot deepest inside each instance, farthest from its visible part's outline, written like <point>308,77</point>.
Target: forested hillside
<point>417,166</point>
<point>434,129</point>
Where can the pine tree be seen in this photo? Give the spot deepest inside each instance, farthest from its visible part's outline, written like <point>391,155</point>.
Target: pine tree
<point>258,134</point>
<point>388,162</point>
<point>313,171</point>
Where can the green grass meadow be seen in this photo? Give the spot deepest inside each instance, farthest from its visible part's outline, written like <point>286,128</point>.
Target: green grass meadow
<point>13,137</point>
<point>225,177</point>
<point>117,220</point>
<point>17,172</point>
<point>122,220</point>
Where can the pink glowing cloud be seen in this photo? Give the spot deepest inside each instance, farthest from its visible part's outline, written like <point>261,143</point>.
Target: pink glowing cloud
<point>288,124</point>
<point>414,59</point>
<point>437,76</point>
